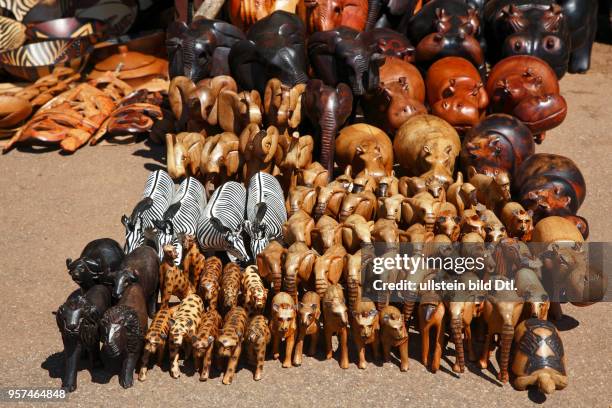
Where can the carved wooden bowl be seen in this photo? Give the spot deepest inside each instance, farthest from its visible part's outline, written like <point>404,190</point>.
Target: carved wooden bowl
<point>64,28</point>
<point>33,61</point>
<point>12,34</point>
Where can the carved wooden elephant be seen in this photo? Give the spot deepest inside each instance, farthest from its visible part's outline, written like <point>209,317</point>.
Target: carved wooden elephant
<point>366,149</point>
<point>355,232</point>
<point>328,268</point>
<point>237,110</point>
<point>340,55</point>
<point>362,202</point>
<point>327,233</point>
<point>298,228</point>
<point>400,94</point>
<point>283,104</point>
<point>294,154</point>
<point>183,152</point>
<point>329,200</point>
<point>300,198</point>
<point>327,109</point>
<point>323,15</point>
<point>492,191</point>
<point>274,48</point>
<point>299,265</point>
<point>313,175</point>
<point>258,148</point>
<point>456,93</point>
<point>431,316</point>
<point>201,50</point>
<point>219,160</point>
<point>270,263</point>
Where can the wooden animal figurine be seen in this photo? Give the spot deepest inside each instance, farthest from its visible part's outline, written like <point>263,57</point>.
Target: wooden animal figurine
<point>581,223</point>
<point>446,28</point>
<point>295,156</point>
<point>356,232</point>
<point>283,104</point>
<point>200,50</point>
<point>229,342</point>
<point>139,267</point>
<point>155,339</point>
<point>449,225</point>
<point>539,357</point>
<point>462,195</point>
<point>499,141</point>
<point>300,198</point>
<point>501,312</point>
<point>238,110</point>
<point>563,30</point>
<point>328,268</point>
<point>183,154</point>
<point>390,208</point>
<point>518,222</point>
<point>492,191</point>
<point>97,258</point>
<point>78,321</point>
<point>410,186</point>
<point>422,208</point>
<point>358,201</point>
<point>244,13</point>
<point>327,233</point>
<point>471,223</point>
<point>365,325</point>
<point>323,15</point>
<point>387,232</point>
<point>122,331</point>
<point>184,326</point>
<point>426,145</point>
<point>495,231</point>
<point>367,149</point>
<point>456,93</point>
<point>274,48</point>
<point>388,186</point>
<point>393,333</point>
<point>327,108</point>
<point>431,316</point>
<point>270,264</point>
<point>231,285</point>
<point>550,184</point>
<point>204,341</point>
<point>210,283</point>
<point>352,275</point>
<point>400,94</point>
<point>387,41</point>
<point>335,321</point>
<point>299,265</point>
<point>526,87</point>
<point>530,288</point>
<point>309,313</point>
<point>298,228</point>
<point>329,200</point>
<point>172,280</point>
<point>255,293</point>
<point>283,325</point>
<point>257,338</point>
<point>191,258</point>
<point>313,175</point>
<point>220,160</point>
<point>258,147</point>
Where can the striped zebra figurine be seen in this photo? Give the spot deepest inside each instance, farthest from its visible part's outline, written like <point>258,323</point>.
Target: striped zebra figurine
<point>265,211</point>
<point>220,227</point>
<point>157,196</point>
<point>181,218</point>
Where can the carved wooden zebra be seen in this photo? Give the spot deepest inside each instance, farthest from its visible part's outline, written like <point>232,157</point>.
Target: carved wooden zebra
<point>220,227</point>
<point>265,211</point>
<point>181,218</point>
<point>158,193</point>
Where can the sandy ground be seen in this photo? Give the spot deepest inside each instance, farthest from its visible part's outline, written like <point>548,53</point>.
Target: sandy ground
<point>52,205</point>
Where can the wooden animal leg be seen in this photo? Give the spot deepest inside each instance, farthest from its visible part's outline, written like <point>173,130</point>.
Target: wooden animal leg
<point>484,357</point>
<point>126,378</point>
<point>425,345</point>
<point>435,364</point>
<point>376,349</point>
<point>204,373</point>
<point>160,354</point>
<point>174,365</point>
<point>386,351</point>
<point>328,343</point>
<point>290,342</point>
<point>314,340</point>
<point>72,350</point>
<point>344,360</point>
<point>275,345</point>
<point>403,350</point>
<point>142,375</point>
<point>468,342</point>
<point>299,345</point>
<point>261,357</point>
<point>361,353</point>
<point>151,305</point>
<point>231,366</point>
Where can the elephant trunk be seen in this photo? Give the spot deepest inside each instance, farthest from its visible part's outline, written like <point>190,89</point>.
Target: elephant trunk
<point>296,73</point>
<point>277,278</point>
<point>408,307</point>
<point>188,57</point>
<point>374,7</point>
<point>457,331</point>
<point>328,126</point>
<point>507,335</point>
<point>360,68</point>
<point>291,281</point>
<point>353,291</point>
<point>320,282</point>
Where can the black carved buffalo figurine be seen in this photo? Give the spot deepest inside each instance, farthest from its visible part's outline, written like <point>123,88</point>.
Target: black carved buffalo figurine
<point>201,49</point>
<point>342,55</point>
<point>78,319</point>
<point>561,33</point>
<point>98,258</point>
<point>275,48</point>
<point>447,28</point>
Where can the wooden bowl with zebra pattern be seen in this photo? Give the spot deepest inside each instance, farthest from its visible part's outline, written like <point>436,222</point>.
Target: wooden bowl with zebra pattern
<point>12,34</point>
<point>65,28</point>
<point>32,61</point>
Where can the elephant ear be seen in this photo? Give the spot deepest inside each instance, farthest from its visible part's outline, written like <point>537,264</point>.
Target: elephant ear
<point>217,85</point>
<point>229,110</point>
<point>345,102</point>
<point>179,91</point>
<point>244,63</point>
<point>274,107</point>
<point>247,137</point>
<point>253,105</point>
<point>295,105</point>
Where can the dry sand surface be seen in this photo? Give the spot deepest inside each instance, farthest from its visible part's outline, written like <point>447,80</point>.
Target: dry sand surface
<point>52,205</point>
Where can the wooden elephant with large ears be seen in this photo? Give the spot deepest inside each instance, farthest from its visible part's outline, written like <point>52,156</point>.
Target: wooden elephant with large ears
<point>200,50</point>
<point>258,147</point>
<point>323,15</point>
<point>275,48</point>
<point>327,109</point>
<point>341,55</point>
